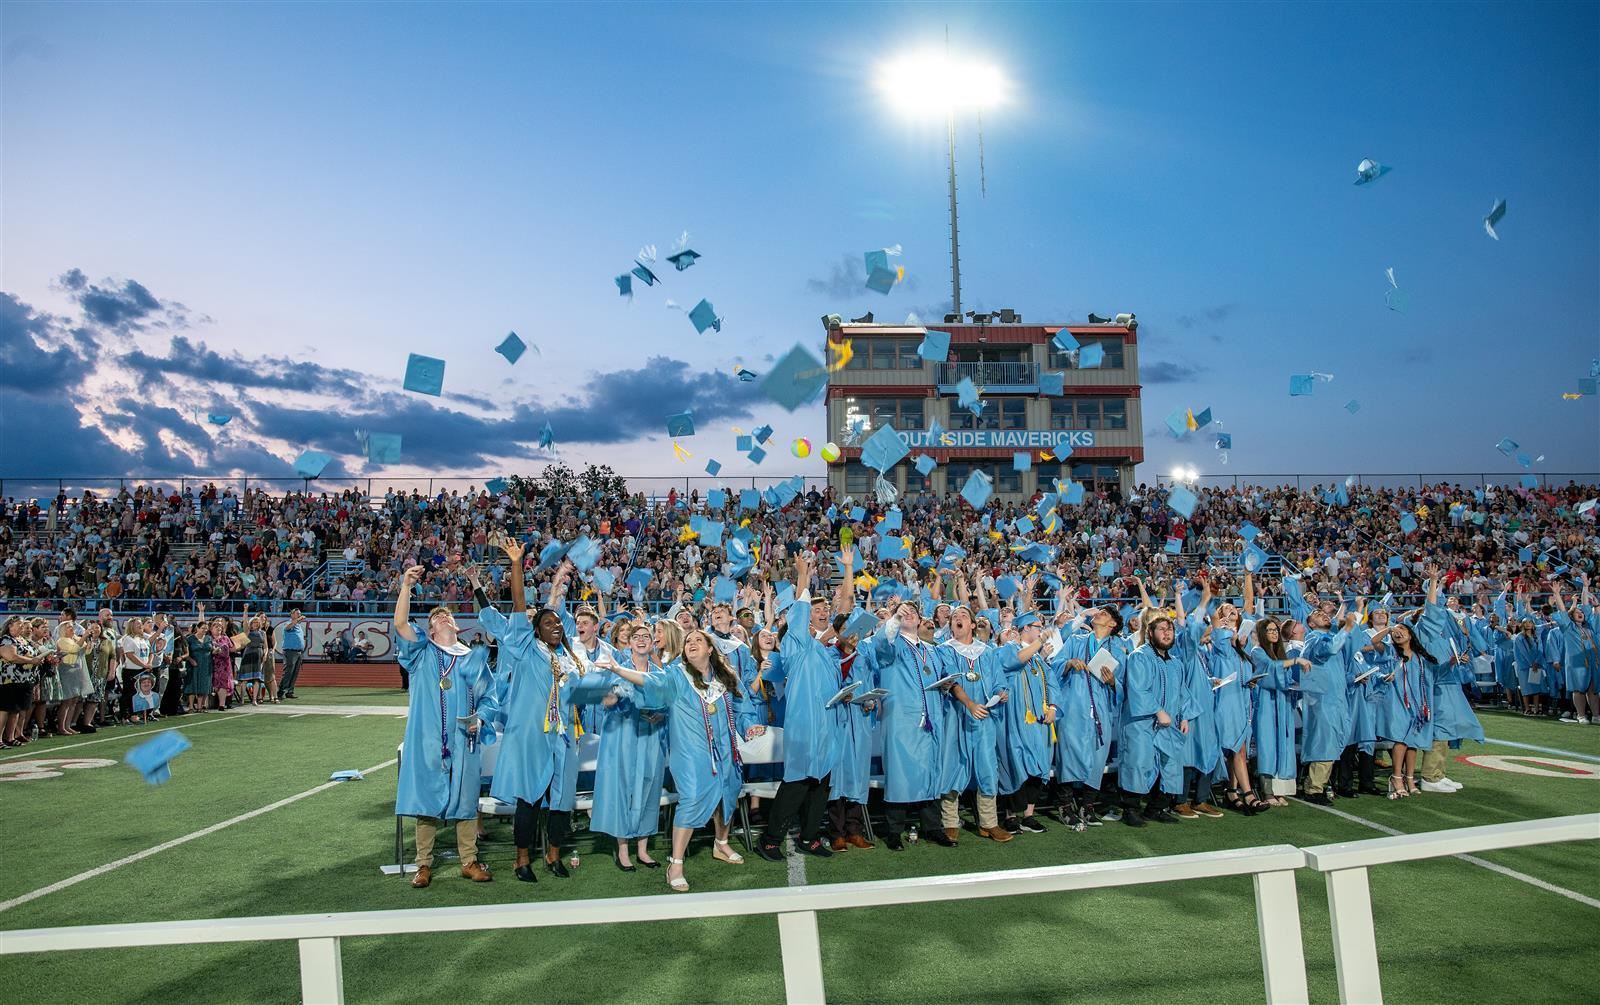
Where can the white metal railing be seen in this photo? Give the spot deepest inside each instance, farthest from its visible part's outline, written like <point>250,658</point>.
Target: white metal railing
<point>322,972</point>
<point>1355,947</point>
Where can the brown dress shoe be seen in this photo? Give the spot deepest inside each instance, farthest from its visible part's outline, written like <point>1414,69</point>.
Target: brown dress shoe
<point>839,845</point>
<point>423,877</point>
<point>857,841</point>
<point>999,835</point>
<point>1207,810</point>
<point>476,872</point>
<point>953,833</point>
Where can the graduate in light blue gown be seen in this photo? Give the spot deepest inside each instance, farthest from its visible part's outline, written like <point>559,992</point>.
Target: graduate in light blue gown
<point>1405,708</point>
<point>1499,630</point>
<point>1356,767</point>
<point>1230,670</point>
<point>809,673</point>
<point>1580,657</point>
<point>913,725</point>
<point>1088,710</point>
<point>1527,654</point>
<point>587,643</point>
<point>537,767</point>
<point>850,784</point>
<point>699,694</point>
<point>1202,752</point>
<point>1151,727</point>
<point>983,682</point>
<point>633,755</point>
<point>1323,684</point>
<point>1274,725</point>
<point>1028,723</point>
<point>1453,719</point>
<point>451,715</point>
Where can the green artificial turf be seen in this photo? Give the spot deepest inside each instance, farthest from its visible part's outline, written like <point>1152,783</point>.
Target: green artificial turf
<point>1446,929</point>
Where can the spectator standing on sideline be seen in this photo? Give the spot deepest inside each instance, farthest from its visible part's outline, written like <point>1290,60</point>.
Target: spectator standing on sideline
<point>293,637</point>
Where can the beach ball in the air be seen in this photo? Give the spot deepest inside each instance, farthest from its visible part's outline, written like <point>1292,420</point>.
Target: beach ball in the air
<point>830,451</point>
<point>801,447</point>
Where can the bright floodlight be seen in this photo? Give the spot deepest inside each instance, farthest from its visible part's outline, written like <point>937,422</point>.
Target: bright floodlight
<point>936,85</point>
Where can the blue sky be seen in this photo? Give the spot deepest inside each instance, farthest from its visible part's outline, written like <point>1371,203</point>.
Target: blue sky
<point>315,191</point>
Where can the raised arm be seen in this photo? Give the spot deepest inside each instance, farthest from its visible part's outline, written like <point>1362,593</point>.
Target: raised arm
<point>844,598</point>
<point>402,604</point>
<point>1249,593</point>
<point>514,551</point>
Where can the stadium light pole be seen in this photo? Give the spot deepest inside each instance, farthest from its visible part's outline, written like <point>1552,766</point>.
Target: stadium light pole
<point>928,84</point>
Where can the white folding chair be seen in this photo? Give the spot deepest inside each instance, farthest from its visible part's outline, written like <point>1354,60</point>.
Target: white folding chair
<point>764,749</point>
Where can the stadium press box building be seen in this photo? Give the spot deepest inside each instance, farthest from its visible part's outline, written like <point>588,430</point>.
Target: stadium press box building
<point>886,381</point>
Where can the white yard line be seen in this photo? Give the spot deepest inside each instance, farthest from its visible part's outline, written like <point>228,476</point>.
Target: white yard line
<point>1475,860</point>
<point>347,711</point>
<point>122,734</point>
<point>45,891</point>
<point>1545,750</point>
<point>797,866</point>
<point>299,714</point>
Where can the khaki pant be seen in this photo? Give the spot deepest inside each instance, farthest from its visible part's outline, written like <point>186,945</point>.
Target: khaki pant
<point>1433,761</point>
<point>1317,774</point>
<point>988,813</point>
<point>466,840</point>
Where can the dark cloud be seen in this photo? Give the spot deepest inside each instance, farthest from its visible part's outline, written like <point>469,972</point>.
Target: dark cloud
<point>129,306</point>
<point>35,358</point>
<point>1169,372</point>
<point>196,360</point>
<point>1209,316</point>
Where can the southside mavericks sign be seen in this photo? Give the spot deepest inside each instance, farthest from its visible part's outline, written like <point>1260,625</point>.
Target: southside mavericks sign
<point>1010,439</point>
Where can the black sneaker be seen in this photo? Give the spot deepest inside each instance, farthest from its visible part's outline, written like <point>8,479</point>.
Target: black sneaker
<point>1012,826</point>
<point>1163,816</point>
<point>1318,799</point>
<point>1094,818</point>
<point>1032,825</point>
<point>893,842</point>
<point>819,848</point>
<point>1130,817</point>
<point>1345,793</point>
<point>772,851</point>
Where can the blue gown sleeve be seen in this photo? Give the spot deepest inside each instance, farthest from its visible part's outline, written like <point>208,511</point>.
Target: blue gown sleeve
<point>1298,608</point>
<point>1140,677</point>
<point>407,650</point>
<point>1006,658</point>
<point>658,690</point>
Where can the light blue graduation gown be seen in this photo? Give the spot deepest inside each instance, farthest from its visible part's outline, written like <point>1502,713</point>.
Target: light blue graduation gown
<point>1580,659</point>
<point>1552,651</point>
<point>1026,747</point>
<point>977,758</point>
<point>631,767</point>
<point>1528,655</point>
<point>1087,721</point>
<point>430,784</point>
<point>1231,701</point>
<point>913,719</point>
<point>1274,723</point>
<point>536,762</point>
<point>1505,665</point>
<point>1201,750</point>
<point>702,740</point>
<point>1453,718</point>
<point>809,672</point>
<point>1405,704</point>
<point>1323,685</point>
<point>852,776</point>
<point>589,715</point>
<point>1146,750</point>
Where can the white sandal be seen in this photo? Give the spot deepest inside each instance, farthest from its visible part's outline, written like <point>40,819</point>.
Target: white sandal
<point>723,852</point>
<point>679,885</point>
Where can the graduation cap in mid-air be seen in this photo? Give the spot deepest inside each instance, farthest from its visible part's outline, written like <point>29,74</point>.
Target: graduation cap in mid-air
<point>424,374</point>
<point>153,757</point>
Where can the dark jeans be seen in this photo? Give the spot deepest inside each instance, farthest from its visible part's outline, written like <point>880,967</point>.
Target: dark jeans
<point>1354,767</point>
<point>1196,786</point>
<point>927,812</point>
<point>405,677</point>
<point>1031,793</point>
<point>525,824</point>
<point>846,818</point>
<point>129,675</point>
<point>172,697</point>
<point>1155,799</point>
<point>806,799</point>
<point>291,669</point>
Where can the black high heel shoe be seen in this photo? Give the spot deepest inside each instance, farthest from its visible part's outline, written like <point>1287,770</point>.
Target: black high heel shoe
<point>617,858</point>
<point>652,864</point>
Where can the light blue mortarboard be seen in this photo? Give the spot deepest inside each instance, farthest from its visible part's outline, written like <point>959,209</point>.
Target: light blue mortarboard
<point>1525,555</point>
<point>383,448</point>
<point>1174,545</point>
<point>1408,523</point>
<point>1178,422</point>
<point>624,285</point>
<point>977,490</point>
<point>1352,406</point>
<point>1507,446</point>
<point>604,580</point>
<point>757,455</point>
<point>1202,418</point>
<point>1395,562</point>
<point>1530,482</point>
<point>1182,501</point>
<point>861,624</point>
<point>1064,341</point>
<point>892,548</point>
<point>547,436</point>
<point>1369,171</point>
<point>1224,441</point>
<point>858,514</point>
<point>745,374</point>
<point>1073,495</point>
<point>311,463</point>
<point>638,579</point>
<point>1108,568</point>
<point>884,449</point>
<point>496,486</point>
<point>645,275</point>
<point>967,396</point>
<point>749,499</point>
<point>223,418</point>
<point>880,277</point>
<point>763,434</point>
<point>1248,530</point>
<point>925,464</point>
<point>891,520</point>
<point>711,533</point>
<point>585,552</point>
<point>424,375</point>
<point>744,444</point>
<point>153,757</point>
<point>713,467</point>
<point>935,347</point>
<point>1021,461</point>
<point>716,498</point>
<point>795,380</point>
<point>1301,384</point>
<point>511,347</point>
<point>683,259</point>
<point>1091,356</point>
<point>681,424</point>
<point>1052,384</point>
<point>1254,558</point>
<point>704,316</point>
